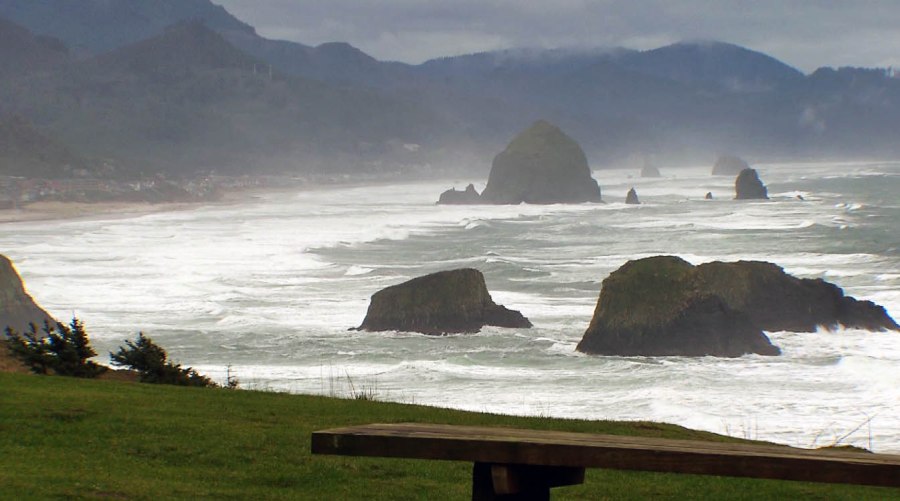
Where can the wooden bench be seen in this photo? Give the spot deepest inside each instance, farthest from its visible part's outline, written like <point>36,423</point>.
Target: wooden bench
<point>526,464</point>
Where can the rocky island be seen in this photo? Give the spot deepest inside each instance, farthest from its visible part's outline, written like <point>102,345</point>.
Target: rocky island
<point>542,165</point>
<point>748,186</point>
<point>729,165</point>
<point>446,302</point>
<point>665,306</point>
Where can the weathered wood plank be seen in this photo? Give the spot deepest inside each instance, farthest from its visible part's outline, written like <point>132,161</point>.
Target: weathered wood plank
<point>551,448</point>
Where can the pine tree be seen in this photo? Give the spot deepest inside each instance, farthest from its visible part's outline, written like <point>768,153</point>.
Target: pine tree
<point>150,360</point>
<point>63,349</point>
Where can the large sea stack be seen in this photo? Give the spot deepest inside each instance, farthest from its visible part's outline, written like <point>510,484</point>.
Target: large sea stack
<point>748,186</point>
<point>446,302</point>
<point>542,165</point>
<point>663,305</point>
<point>729,165</point>
<point>654,307</point>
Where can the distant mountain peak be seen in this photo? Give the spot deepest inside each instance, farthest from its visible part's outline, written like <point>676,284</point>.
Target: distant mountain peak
<point>187,44</point>
<point>98,26</point>
<point>344,51</point>
<point>715,63</point>
<point>22,51</point>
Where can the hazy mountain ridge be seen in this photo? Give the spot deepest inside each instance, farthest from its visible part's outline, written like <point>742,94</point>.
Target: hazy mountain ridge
<point>98,26</point>
<point>187,102</point>
<point>208,93</point>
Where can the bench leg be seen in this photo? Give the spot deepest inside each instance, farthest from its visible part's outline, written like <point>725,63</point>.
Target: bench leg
<point>520,482</point>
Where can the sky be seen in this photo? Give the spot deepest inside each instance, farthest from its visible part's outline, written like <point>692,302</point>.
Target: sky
<point>806,34</point>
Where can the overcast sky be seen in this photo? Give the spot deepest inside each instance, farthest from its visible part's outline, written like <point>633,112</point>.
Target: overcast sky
<point>806,34</point>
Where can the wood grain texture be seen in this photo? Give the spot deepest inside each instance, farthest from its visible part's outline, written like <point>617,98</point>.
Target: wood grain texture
<point>552,448</point>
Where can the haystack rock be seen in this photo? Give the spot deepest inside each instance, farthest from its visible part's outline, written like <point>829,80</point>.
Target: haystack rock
<point>632,198</point>
<point>729,165</point>
<point>663,305</point>
<point>456,197</point>
<point>17,308</point>
<point>652,307</point>
<point>446,302</point>
<point>748,186</point>
<point>542,165</point>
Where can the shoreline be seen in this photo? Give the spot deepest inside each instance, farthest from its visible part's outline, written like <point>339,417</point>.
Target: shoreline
<point>51,210</point>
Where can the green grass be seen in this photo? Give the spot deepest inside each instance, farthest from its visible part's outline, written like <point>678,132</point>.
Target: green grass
<point>63,438</point>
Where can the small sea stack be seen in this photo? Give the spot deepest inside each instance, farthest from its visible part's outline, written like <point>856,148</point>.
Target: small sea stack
<point>729,165</point>
<point>460,197</point>
<point>632,198</point>
<point>446,302</point>
<point>748,186</point>
<point>650,170</point>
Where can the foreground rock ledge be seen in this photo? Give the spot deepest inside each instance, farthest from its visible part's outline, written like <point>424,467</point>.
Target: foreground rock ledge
<point>446,302</point>
<point>665,306</point>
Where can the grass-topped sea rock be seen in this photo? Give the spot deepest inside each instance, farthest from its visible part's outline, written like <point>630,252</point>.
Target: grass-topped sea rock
<point>446,302</point>
<point>663,305</point>
<point>656,307</point>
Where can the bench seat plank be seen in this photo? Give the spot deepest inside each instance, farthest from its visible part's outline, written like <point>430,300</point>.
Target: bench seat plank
<point>567,449</point>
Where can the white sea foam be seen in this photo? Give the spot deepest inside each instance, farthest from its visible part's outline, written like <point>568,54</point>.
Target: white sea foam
<point>271,287</point>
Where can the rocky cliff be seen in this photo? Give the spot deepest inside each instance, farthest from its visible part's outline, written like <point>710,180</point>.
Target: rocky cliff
<point>17,309</point>
<point>455,301</point>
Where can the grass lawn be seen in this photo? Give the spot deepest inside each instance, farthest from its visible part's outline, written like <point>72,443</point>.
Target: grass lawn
<point>64,438</point>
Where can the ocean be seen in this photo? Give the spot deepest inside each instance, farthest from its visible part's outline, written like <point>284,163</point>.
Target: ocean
<point>266,290</point>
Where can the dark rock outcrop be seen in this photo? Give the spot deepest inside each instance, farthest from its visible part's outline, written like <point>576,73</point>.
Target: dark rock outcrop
<point>663,305</point>
<point>542,165</point>
<point>456,197</point>
<point>650,170</point>
<point>729,165</point>
<point>748,186</point>
<point>632,198</point>
<point>652,307</point>
<point>17,309</point>
<point>455,301</point>
<point>777,301</point>
<point>709,195</point>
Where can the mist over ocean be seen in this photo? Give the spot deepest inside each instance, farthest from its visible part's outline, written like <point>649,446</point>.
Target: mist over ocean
<point>270,286</point>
